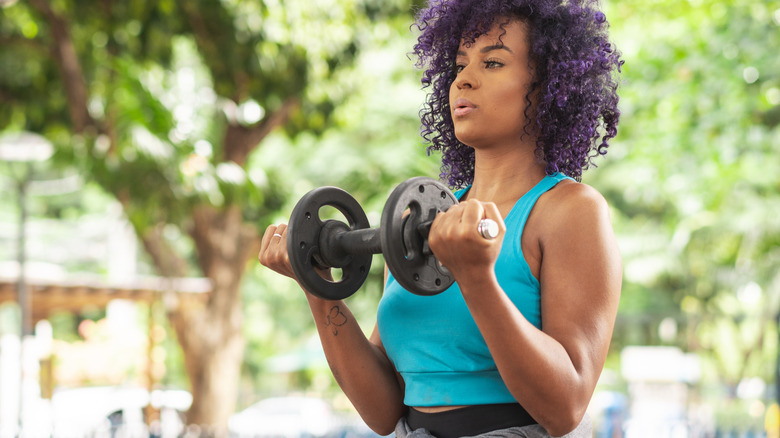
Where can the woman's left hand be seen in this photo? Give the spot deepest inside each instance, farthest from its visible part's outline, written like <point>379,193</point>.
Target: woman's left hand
<point>455,239</point>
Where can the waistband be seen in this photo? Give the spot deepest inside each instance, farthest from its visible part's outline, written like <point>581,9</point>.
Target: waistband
<point>471,420</point>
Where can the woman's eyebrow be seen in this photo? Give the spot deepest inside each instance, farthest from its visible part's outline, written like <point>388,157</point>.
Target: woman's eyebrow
<point>487,49</point>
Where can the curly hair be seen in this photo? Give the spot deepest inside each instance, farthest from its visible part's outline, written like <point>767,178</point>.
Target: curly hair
<point>575,70</point>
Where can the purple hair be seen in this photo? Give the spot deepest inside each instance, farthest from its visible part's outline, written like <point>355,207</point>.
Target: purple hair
<point>574,78</point>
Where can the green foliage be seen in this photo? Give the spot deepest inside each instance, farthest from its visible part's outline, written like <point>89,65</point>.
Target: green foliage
<point>167,81</point>
<point>135,56</point>
<point>693,178</point>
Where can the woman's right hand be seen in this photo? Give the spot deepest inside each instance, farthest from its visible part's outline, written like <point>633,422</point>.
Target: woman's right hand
<point>273,253</point>
<point>273,250</point>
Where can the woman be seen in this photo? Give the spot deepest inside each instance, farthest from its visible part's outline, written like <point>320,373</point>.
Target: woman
<point>523,97</point>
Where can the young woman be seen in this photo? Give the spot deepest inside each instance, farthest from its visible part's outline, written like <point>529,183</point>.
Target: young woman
<point>523,98</point>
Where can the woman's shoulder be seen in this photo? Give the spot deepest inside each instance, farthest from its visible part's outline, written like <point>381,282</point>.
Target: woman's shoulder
<point>570,201</point>
<point>576,193</point>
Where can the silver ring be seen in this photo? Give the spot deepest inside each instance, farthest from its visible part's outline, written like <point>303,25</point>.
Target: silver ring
<point>488,229</point>
<point>277,234</point>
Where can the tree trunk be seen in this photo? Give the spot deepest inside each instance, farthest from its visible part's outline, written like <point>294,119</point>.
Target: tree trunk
<point>211,335</point>
<point>213,349</point>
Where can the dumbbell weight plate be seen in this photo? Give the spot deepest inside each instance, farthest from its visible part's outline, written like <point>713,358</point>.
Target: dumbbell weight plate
<point>303,243</point>
<point>404,238</point>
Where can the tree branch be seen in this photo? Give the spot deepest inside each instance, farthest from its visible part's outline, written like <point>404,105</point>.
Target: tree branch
<point>64,53</point>
<point>8,41</point>
<point>165,259</point>
<point>5,96</point>
<point>167,262</point>
<point>240,141</point>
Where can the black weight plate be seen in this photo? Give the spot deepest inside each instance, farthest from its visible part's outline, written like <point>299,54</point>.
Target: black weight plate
<point>404,239</point>
<point>303,243</point>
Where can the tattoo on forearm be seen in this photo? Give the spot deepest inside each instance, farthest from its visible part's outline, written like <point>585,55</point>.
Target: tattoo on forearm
<point>335,319</point>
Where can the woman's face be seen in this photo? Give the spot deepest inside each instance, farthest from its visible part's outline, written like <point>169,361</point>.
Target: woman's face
<point>487,97</point>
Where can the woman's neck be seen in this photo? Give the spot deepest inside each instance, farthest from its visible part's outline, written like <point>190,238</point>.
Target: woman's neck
<point>504,176</point>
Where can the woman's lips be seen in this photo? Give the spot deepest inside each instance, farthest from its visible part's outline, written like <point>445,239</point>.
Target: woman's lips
<point>462,107</point>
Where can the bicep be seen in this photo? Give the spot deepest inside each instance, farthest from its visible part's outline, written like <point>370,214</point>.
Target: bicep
<point>580,281</point>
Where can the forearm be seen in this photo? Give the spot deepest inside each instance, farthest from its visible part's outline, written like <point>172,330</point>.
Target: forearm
<point>360,367</point>
<point>541,374</point>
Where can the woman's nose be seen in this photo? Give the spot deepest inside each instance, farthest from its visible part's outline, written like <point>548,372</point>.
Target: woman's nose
<point>466,79</point>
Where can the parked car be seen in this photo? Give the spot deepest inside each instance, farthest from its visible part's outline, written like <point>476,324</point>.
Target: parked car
<point>299,417</point>
<point>285,417</point>
<point>108,410</point>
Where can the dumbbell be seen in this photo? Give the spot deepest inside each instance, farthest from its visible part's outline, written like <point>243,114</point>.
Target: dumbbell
<point>401,238</point>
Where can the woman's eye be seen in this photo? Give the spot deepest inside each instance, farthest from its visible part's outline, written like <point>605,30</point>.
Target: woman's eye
<point>459,68</point>
<point>493,64</point>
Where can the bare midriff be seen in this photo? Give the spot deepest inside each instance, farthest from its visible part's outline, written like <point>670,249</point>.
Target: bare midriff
<point>435,409</point>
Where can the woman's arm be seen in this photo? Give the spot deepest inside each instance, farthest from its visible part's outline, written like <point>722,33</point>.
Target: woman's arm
<point>551,372</point>
<point>359,364</point>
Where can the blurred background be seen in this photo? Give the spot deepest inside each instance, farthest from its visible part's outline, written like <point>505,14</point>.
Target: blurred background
<point>145,146</point>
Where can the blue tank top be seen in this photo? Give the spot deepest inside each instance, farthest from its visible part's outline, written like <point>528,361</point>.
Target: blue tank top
<point>434,342</point>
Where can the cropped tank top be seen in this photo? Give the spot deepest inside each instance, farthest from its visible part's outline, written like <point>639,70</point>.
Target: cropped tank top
<point>434,342</point>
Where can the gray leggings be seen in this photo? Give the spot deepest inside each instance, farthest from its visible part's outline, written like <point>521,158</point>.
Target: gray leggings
<point>584,430</point>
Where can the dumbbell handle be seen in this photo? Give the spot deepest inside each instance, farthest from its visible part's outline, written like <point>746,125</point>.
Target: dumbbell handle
<point>341,242</point>
<point>365,241</point>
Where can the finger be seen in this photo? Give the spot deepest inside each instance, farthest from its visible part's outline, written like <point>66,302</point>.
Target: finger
<point>473,213</point>
<point>491,212</point>
<point>450,218</point>
<point>451,210</point>
<point>278,248</point>
<point>266,240</point>
<point>443,219</point>
<point>273,244</point>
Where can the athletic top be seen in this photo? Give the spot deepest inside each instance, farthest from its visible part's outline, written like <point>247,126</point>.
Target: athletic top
<point>434,342</point>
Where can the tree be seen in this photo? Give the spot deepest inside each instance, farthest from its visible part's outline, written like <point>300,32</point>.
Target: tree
<point>694,176</point>
<point>163,103</point>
